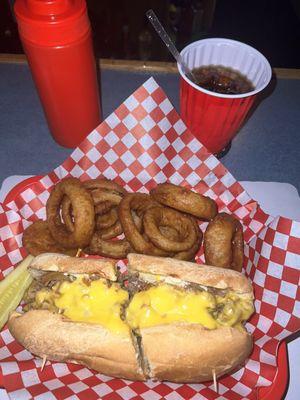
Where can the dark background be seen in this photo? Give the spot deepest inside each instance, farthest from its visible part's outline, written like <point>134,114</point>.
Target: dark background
<point>121,31</point>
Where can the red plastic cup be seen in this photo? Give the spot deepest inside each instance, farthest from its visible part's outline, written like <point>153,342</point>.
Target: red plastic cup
<point>216,118</point>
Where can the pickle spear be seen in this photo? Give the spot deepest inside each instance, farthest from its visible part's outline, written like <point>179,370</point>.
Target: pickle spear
<point>12,289</point>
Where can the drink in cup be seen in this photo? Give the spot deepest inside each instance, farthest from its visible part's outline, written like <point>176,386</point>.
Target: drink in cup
<point>229,75</point>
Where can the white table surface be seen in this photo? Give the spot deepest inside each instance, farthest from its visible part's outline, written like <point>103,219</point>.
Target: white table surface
<point>275,199</point>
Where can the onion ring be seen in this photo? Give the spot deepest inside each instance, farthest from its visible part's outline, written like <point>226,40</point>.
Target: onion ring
<point>169,232</point>
<point>108,248</point>
<point>83,210</point>
<point>111,232</point>
<point>103,183</point>
<point>105,193</point>
<point>185,200</point>
<point>162,216</point>
<point>138,202</point>
<point>67,214</point>
<point>103,208</point>
<point>116,229</point>
<point>107,220</point>
<point>223,242</point>
<point>98,198</point>
<point>119,248</point>
<point>189,255</point>
<point>37,239</point>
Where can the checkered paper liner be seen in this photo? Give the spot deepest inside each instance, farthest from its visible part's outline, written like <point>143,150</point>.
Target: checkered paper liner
<point>142,143</point>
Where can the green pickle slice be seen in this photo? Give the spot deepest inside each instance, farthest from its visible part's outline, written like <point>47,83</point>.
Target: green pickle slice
<point>12,289</point>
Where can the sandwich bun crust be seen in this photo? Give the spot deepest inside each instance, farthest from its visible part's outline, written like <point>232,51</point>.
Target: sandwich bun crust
<point>190,353</point>
<point>78,265</point>
<point>49,335</point>
<point>216,277</point>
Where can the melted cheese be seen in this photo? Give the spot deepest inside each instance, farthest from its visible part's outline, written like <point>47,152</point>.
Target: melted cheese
<point>234,309</point>
<point>98,303</point>
<point>165,304</point>
<point>95,303</point>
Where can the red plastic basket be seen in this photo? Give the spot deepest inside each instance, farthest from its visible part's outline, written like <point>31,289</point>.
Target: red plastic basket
<point>273,392</point>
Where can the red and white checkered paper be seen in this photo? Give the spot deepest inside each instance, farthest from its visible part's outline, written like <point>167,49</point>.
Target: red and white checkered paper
<point>142,143</point>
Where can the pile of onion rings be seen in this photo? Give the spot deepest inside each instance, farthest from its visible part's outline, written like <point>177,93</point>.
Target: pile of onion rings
<point>99,217</point>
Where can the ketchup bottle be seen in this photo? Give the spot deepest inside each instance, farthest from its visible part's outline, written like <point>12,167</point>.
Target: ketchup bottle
<point>56,38</point>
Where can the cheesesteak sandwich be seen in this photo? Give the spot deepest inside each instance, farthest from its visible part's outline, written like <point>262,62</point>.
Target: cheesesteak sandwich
<point>165,320</point>
<point>73,314</point>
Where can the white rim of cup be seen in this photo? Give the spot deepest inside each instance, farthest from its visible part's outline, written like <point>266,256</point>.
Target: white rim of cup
<point>227,96</point>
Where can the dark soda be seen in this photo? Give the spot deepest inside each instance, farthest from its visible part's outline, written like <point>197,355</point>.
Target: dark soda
<point>220,79</point>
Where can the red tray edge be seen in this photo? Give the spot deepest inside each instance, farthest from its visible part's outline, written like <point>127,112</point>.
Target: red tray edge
<point>279,386</point>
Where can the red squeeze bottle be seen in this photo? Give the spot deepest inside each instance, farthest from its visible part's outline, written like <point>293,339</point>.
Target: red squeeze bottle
<point>56,38</point>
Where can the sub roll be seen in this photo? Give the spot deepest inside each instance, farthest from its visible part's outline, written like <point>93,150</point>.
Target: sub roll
<point>165,319</point>
<point>190,318</point>
<point>73,314</point>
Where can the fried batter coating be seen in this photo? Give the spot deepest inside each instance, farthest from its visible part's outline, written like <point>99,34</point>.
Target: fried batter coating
<point>139,203</point>
<point>223,242</point>
<point>82,209</point>
<point>106,195</point>
<point>185,200</point>
<point>118,248</point>
<point>37,239</point>
<point>163,216</point>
